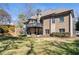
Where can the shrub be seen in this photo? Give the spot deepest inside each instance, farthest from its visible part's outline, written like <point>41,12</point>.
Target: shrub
<point>58,34</point>
<point>6,28</point>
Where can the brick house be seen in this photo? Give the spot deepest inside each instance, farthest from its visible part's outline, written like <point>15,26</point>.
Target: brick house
<point>50,21</point>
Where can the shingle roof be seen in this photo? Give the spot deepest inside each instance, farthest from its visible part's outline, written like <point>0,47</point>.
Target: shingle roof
<point>51,11</point>
<point>3,13</point>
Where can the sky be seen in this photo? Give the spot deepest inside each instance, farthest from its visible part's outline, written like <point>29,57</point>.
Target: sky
<point>14,9</point>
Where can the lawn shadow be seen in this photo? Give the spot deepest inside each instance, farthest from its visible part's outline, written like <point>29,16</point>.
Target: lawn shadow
<point>70,48</point>
<point>2,38</point>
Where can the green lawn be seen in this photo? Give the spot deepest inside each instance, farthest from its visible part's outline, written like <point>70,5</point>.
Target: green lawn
<point>28,46</point>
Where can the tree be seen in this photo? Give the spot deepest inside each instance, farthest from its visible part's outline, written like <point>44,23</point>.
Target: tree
<point>4,17</point>
<point>38,13</point>
<point>22,19</point>
<point>77,25</point>
<point>29,10</point>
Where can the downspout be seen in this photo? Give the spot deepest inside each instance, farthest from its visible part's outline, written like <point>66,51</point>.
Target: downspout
<point>71,24</point>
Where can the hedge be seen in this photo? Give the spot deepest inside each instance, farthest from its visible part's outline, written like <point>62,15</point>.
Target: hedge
<point>58,34</point>
<point>6,28</point>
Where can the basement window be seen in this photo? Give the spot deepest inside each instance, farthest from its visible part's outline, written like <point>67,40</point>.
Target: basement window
<point>47,31</point>
<point>61,30</point>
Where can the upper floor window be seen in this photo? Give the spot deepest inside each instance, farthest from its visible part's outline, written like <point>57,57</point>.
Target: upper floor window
<point>61,18</point>
<point>53,20</point>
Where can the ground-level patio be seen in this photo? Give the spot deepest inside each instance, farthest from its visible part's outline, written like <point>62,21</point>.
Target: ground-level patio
<point>35,30</point>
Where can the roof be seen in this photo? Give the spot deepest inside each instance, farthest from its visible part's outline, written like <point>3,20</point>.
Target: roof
<point>3,13</point>
<point>51,11</point>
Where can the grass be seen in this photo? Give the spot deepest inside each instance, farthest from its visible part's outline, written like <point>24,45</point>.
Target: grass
<point>32,46</point>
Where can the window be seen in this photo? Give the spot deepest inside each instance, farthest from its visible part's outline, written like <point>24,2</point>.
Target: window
<point>53,20</point>
<point>47,31</point>
<point>61,18</point>
<point>61,30</point>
